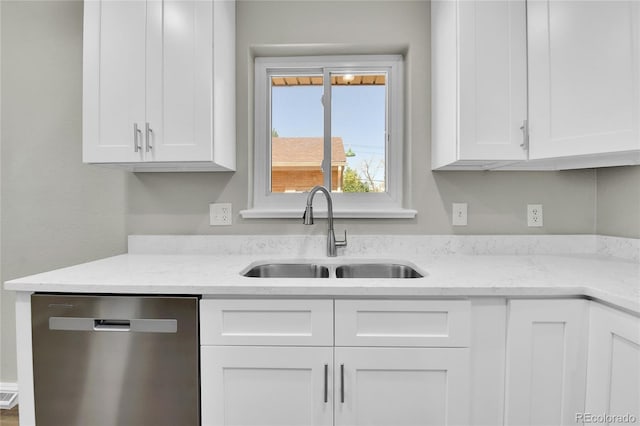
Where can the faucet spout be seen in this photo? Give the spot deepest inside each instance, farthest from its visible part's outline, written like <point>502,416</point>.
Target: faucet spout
<point>307,219</point>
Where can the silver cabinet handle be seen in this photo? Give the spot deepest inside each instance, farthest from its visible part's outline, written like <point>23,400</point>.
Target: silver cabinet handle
<point>148,133</point>
<point>137,133</point>
<point>525,134</point>
<point>326,383</point>
<point>342,383</point>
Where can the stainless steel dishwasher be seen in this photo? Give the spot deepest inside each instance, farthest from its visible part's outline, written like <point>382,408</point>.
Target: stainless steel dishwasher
<point>115,360</point>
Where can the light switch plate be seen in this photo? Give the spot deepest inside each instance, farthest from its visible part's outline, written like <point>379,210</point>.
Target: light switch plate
<point>220,214</point>
<point>459,214</point>
<point>534,215</point>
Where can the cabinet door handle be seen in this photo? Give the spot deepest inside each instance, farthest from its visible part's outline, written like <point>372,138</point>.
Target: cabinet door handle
<point>326,383</point>
<point>342,383</point>
<point>137,134</point>
<point>525,134</point>
<point>148,133</point>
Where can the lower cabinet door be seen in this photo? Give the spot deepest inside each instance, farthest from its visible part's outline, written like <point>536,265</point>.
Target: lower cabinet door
<point>266,386</point>
<point>401,386</point>
<point>613,372</point>
<point>546,362</point>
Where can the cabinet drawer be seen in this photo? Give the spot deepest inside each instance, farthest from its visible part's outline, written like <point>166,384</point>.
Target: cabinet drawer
<point>266,322</point>
<point>422,323</point>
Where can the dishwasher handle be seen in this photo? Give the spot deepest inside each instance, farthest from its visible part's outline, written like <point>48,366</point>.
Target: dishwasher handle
<point>111,325</point>
<point>141,325</point>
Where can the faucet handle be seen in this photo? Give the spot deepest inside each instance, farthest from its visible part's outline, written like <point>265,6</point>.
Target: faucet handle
<point>342,243</point>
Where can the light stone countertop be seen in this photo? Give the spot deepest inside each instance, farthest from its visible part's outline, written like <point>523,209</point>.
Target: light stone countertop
<point>611,280</point>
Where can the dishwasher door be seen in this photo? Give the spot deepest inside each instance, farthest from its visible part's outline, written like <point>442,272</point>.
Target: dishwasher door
<point>115,360</point>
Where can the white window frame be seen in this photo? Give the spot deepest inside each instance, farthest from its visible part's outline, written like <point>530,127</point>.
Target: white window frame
<point>386,204</point>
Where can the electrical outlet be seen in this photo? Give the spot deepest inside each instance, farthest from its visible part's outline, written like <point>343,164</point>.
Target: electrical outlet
<point>459,214</point>
<point>534,215</point>
<point>220,214</point>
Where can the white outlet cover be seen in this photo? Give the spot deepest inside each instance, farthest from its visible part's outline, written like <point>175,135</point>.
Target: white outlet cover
<point>459,214</point>
<point>220,214</point>
<point>534,215</point>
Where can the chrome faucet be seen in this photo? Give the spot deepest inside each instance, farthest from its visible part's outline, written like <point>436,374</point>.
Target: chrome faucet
<point>307,219</point>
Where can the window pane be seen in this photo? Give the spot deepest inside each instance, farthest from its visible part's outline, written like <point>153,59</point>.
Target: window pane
<point>297,147</point>
<point>358,127</point>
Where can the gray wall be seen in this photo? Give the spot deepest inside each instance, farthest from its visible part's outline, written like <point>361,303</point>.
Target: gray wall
<point>55,210</point>
<point>618,206</point>
<point>497,200</point>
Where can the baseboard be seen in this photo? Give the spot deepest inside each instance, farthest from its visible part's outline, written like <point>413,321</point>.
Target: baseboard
<point>8,395</point>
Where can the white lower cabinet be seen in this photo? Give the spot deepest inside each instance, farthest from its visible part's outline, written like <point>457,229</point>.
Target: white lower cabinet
<point>401,386</point>
<point>546,361</point>
<point>484,361</point>
<point>298,386</point>
<point>613,373</point>
<point>253,375</point>
<point>266,386</point>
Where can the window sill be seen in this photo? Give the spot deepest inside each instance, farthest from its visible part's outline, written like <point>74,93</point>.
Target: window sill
<point>337,214</point>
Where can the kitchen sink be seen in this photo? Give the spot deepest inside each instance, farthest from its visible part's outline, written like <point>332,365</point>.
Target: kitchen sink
<point>288,270</point>
<point>367,269</point>
<point>376,270</point>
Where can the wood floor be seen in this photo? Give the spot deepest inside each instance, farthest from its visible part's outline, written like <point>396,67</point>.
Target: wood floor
<point>9,417</point>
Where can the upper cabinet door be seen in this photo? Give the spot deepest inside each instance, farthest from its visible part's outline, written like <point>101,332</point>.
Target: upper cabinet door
<point>479,83</point>
<point>179,80</point>
<point>493,79</point>
<point>584,84</point>
<point>114,81</point>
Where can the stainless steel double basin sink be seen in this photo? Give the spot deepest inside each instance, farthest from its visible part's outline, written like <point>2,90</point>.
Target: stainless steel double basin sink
<point>319,270</point>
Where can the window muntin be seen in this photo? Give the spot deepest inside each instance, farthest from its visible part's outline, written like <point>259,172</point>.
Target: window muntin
<point>388,147</point>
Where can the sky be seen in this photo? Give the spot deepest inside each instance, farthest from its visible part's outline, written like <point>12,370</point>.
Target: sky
<point>357,115</point>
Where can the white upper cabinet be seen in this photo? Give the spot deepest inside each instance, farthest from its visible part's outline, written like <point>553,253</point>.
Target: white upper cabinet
<point>479,83</point>
<point>584,84</point>
<point>571,68</point>
<point>113,93</point>
<point>159,84</point>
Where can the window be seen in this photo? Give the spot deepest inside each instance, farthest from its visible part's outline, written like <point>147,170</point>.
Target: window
<point>332,121</point>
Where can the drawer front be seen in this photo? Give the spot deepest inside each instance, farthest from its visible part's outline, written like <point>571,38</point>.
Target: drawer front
<point>266,322</point>
<point>421,323</point>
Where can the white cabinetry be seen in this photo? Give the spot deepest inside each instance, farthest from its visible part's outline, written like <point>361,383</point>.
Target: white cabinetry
<point>570,68</point>
<point>401,386</point>
<point>402,362</point>
<point>256,371</point>
<point>479,83</point>
<point>584,81</point>
<point>159,84</point>
<point>266,362</point>
<point>266,386</point>
<point>613,373</point>
<point>546,361</point>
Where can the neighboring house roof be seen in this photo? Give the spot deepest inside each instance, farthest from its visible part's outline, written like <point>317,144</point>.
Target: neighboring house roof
<point>300,152</point>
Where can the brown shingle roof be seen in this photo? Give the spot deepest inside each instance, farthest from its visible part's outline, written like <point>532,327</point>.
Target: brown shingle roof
<point>305,151</point>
